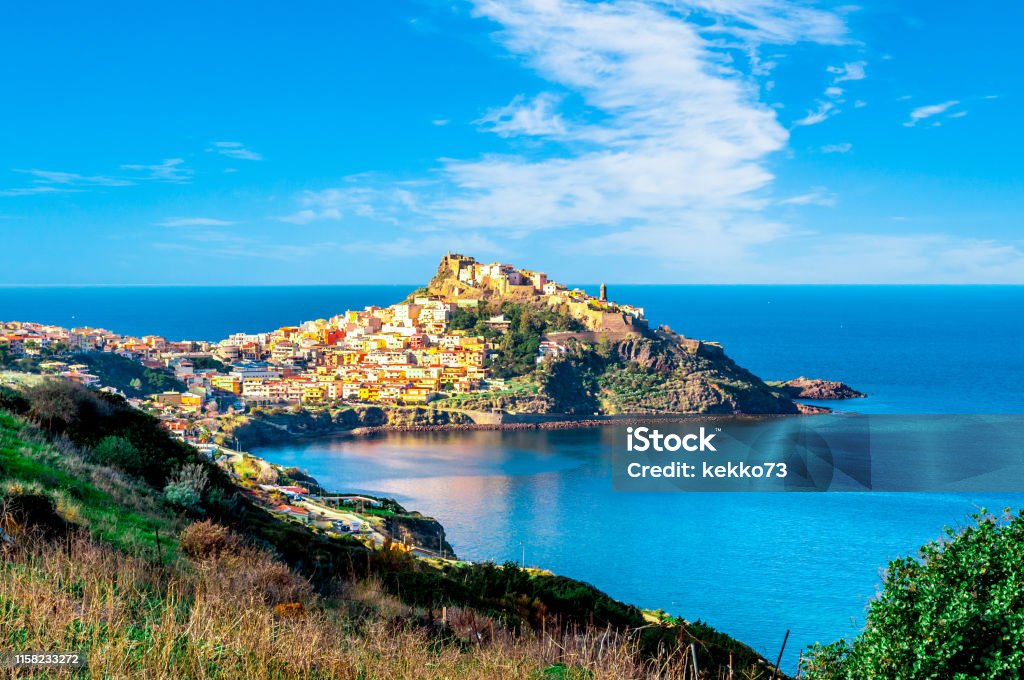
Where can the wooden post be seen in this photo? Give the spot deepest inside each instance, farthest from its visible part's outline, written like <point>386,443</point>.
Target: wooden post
<point>775,670</point>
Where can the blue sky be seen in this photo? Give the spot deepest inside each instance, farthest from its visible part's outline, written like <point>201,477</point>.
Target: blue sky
<point>740,141</point>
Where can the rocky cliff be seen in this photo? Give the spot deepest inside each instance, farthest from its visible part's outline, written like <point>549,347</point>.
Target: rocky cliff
<point>818,389</point>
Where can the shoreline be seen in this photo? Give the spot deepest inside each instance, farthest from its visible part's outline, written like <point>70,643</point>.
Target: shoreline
<point>552,424</point>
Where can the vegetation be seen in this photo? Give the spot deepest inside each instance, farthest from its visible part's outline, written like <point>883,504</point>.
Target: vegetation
<point>129,376</point>
<point>956,611</point>
<point>204,363</point>
<point>121,542</point>
<point>516,352</point>
<point>235,612</point>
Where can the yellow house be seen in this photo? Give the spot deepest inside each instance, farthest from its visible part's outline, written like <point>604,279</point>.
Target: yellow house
<point>228,383</point>
<point>369,393</point>
<point>191,402</point>
<point>313,394</point>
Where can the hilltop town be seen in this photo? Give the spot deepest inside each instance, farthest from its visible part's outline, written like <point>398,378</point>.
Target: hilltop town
<point>479,338</point>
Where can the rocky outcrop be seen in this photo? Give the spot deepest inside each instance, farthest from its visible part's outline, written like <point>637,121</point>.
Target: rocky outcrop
<point>818,389</point>
<point>665,372</point>
<point>423,532</point>
<point>656,354</point>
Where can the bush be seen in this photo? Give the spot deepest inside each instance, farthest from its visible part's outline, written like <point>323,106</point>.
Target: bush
<point>89,418</point>
<point>185,490</point>
<point>117,452</point>
<point>63,407</point>
<point>13,401</point>
<point>957,611</point>
<point>201,540</point>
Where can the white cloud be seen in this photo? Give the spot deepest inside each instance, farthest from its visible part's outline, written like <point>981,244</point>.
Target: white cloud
<point>773,21</point>
<point>535,117</point>
<point>834,92</point>
<point>844,147</point>
<point>849,71</point>
<point>440,122</point>
<point>824,111</point>
<point>926,112</point>
<point>195,222</point>
<point>664,129</point>
<point>236,150</point>
<point>31,191</point>
<point>172,170</point>
<point>915,258</point>
<point>307,215</point>
<point>816,197</point>
<point>814,257</point>
<point>75,179</point>
<point>383,203</point>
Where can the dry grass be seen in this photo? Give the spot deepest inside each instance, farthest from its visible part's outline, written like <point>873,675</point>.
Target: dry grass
<point>240,614</point>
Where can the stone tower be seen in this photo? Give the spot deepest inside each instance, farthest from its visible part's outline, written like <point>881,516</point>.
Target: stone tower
<point>604,293</point>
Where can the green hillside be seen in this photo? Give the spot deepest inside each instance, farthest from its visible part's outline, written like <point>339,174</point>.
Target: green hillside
<point>127,545</point>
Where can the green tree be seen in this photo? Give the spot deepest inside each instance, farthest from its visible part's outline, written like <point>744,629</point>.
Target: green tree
<point>463,319</point>
<point>956,611</point>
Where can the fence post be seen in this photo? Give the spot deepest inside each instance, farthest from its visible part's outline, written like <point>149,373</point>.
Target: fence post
<point>775,670</point>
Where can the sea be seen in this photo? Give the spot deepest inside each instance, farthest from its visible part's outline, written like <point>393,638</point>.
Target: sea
<point>753,565</point>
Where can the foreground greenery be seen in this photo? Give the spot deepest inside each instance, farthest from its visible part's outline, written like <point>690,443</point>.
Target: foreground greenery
<point>955,611</point>
<point>126,544</point>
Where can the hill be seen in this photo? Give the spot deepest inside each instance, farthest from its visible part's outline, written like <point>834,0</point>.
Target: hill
<point>130,547</point>
<point>577,354</point>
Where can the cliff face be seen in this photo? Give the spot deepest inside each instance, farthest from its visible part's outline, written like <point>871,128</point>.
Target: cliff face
<point>657,373</point>
<point>423,532</point>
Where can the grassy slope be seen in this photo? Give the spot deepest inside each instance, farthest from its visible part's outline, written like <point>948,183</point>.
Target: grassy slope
<point>116,509</point>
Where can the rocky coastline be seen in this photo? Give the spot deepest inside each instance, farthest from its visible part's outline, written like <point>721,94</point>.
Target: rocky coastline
<point>290,425</point>
<point>818,389</point>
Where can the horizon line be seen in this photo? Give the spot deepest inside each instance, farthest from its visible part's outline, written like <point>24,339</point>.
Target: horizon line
<point>13,286</point>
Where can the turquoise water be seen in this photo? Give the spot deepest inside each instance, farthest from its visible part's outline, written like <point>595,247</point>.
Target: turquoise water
<point>751,564</point>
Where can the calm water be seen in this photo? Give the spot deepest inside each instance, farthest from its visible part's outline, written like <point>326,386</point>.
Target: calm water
<point>751,564</point>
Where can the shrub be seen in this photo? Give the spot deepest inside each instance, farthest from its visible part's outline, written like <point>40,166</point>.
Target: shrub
<point>956,611</point>
<point>201,540</point>
<point>13,401</point>
<point>185,490</point>
<point>117,452</point>
<point>60,405</point>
